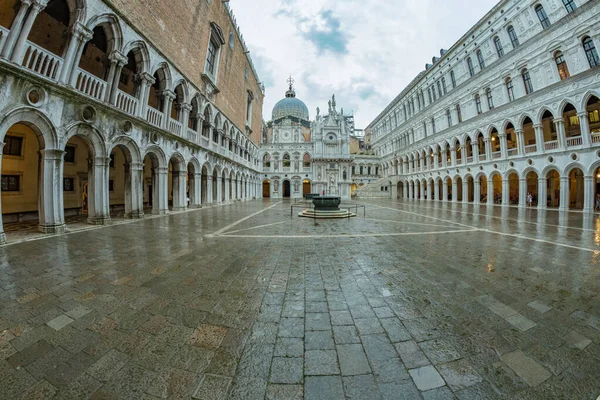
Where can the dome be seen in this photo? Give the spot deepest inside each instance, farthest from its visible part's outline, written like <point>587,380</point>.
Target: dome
<point>290,107</point>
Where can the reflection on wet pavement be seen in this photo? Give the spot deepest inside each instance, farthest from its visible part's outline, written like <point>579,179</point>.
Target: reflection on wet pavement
<point>415,301</point>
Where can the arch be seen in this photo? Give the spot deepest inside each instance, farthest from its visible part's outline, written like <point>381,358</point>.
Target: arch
<point>140,53</point>
<point>90,133</point>
<point>587,97</point>
<point>178,160</point>
<point>181,88</point>
<point>36,120</point>
<point>112,26</point>
<point>163,71</point>
<point>570,167</point>
<point>158,153</point>
<point>134,154</point>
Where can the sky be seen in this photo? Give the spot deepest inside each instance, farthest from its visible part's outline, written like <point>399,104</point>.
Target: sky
<point>363,51</point>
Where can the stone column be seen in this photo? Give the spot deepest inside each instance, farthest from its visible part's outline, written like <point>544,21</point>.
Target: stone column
<point>490,191</point>
<point>476,191</point>
<point>505,192</point>
<point>444,160</point>
<point>98,201</point>
<point>585,128</point>
<point>184,117</point>
<point>588,194</point>
<point>464,154</point>
<point>465,191</point>
<point>15,29</point>
<point>117,61</point>
<point>227,190</point>
<point>475,149</point>
<point>410,191</point>
<point>209,190</point>
<point>19,48</point>
<point>145,81</point>
<point>503,145</point>
<point>520,141</point>
<point>560,133</point>
<point>238,189</point>
<point>523,192</point>
<point>564,193</point>
<point>219,200</point>
<point>134,190</point>
<point>195,190</point>
<point>2,234</point>
<point>168,97</point>
<point>436,191</point>
<point>179,190</point>
<point>50,193</point>
<point>453,156</point>
<point>539,138</point>
<point>444,191</point>
<point>80,35</point>
<point>488,148</point>
<point>542,193</point>
<point>455,191</point>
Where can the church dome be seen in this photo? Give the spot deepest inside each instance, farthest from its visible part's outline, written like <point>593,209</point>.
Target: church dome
<point>290,107</point>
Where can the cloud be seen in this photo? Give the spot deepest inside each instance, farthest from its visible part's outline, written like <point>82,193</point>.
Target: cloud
<point>324,31</point>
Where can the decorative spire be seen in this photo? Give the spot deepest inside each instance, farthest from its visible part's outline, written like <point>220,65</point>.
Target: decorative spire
<point>291,92</point>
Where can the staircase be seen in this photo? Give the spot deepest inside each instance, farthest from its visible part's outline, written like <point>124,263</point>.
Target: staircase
<point>373,189</point>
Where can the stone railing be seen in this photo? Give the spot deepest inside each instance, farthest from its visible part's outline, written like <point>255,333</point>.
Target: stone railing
<point>91,85</point>
<point>175,127</point>
<point>154,117</point>
<point>126,103</point>
<point>553,145</point>
<point>574,141</point>
<point>42,61</point>
<point>532,148</point>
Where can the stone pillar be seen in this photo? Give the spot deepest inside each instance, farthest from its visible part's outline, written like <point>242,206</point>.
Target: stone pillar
<point>50,192</point>
<point>444,160</point>
<point>145,81</point>
<point>410,191</point>
<point>219,200</point>
<point>19,48</point>
<point>454,191</point>
<point>505,192</point>
<point>98,201</point>
<point>464,152</point>
<point>209,190</point>
<point>564,193</point>
<point>542,193</point>
<point>444,191</point>
<point>160,198</point>
<point>539,138</point>
<point>134,190</point>
<point>588,194</point>
<point>476,191</point>
<point>475,149</point>
<point>168,97</point>
<point>488,148</point>
<point>436,191</point>
<point>523,192</point>
<point>117,61</point>
<point>227,189</point>
<point>503,145</point>
<point>560,133</point>
<point>2,234</point>
<point>184,117</point>
<point>238,189</point>
<point>490,191</point>
<point>15,29</point>
<point>195,182</point>
<point>80,35</point>
<point>453,156</point>
<point>465,191</point>
<point>179,190</point>
<point>520,141</point>
<point>585,128</point>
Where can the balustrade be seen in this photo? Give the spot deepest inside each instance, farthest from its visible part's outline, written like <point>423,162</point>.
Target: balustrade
<point>595,137</point>
<point>90,85</point>
<point>41,61</point>
<point>126,103</point>
<point>532,148</point>
<point>513,152</point>
<point>175,127</point>
<point>192,135</point>
<point>574,141</point>
<point>553,145</point>
<point>154,116</point>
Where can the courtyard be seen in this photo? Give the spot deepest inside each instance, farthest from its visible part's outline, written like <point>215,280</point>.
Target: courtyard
<point>414,301</point>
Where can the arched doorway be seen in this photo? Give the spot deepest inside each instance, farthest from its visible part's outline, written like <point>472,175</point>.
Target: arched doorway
<point>513,189</point>
<point>306,187</point>
<point>400,190</point>
<point>204,182</point>
<point>177,181</point>
<point>532,187</point>
<point>459,190</point>
<point>483,189</point>
<point>576,189</point>
<point>125,184</point>
<point>497,185</point>
<point>215,188</point>
<point>266,189</point>
<point>286,189</point>
<point>154,186</point>
<point>448,184</point>
<point>470,189</point>
<point>553,189</point>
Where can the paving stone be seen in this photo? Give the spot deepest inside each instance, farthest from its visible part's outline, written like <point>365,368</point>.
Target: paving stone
<point>108,365</point>
<point>291,327</point>
<point>577,340</point>
<point>539,306</point>
<point>389,370</point>
<point>173,383</point>
<point>411,354</point>
<point>520,322</point>
<point>289,347</point>
<point>529,370</point>
<point>361,387</point>
<point>192,358</point>
<point>208,336</point>
<point>59,322</point>
<point>285,392</point>
<point>42,390</point>
<point>345,334</point>
<point>316,307</point>
<point>317,322</point>
<point>213,387</point>
<point>378,347</point>
<point>353,360</point>
<point>395,330</point>
<point>287,370</point>
<point>323,387</point>
<point>426,378</point>
<point>368,326</point>
<point>384,312</point>
<point>400,390</point>
<point>341,318</point>
<point>362,311</point>
<point>318,340</point>
<point>30,354</point>
<point>459,374</point>
<point>78,312</point>
<point>439,351</point>
<point>321,362</point>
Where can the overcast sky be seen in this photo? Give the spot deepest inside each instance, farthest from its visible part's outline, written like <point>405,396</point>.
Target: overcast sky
<point>363,51</point>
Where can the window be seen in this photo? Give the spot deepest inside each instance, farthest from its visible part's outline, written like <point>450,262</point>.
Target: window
<point>459,113</point>
<point>425,128</point>
<point>590,51</point>
<point>249,108</point>
<point>510,89</point>
<point>13,146</point>
<point>470,66</point>
<point>214,47</point>
<point>439,87</point>
<point>527,81</point>
<point>433,125</point>
<point>514,40</point>
<point>361,170</point>
<point>499,48</point>
<point>449,118</point>
<point>70,154</point>
<point>429,95</point>
<point>211,57</point>
<point>490,98</point>
<point>68,184</point>
<point>480,59</point>
<point>433,91</point>
<point>231,40</point>
<point>11,183</point>
<point>541,13</point>
<point>561,64</point>
<point>569,5</point>
<point>478,104</point>
<point>286,160</point>
<point>452,79</point>
<point>444,84</point>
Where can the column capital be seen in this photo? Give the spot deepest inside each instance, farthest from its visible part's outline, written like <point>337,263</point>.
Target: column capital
<point>118,58</point>
<point>39,5</point>
<point>519,131</point>
<point>538,126</point>
<point>582,114</point>
<point>184,107</point>
<point>137,166</point>
<point>162,170</point>
<point>101,161</point>
<point>502,134</point>
<point>145,77</point>
<point>559,120</point>
<point>26,3</point>
<point>168,94</point>
<point>49,154</point>
<point>82,32</point>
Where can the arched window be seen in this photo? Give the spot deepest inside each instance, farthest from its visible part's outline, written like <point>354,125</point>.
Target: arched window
<point>478,104</point>
<point>286,160</point>
<point>453,79</point>
<point>514,40</point>
<point>561,64</point>
<point>267,161</point>
<point>306,160</point>
<point>444,84</point>
<point>527,81</point>
<point>499,48</point>
<point>470,66</point>
<point>590,51</point>
<point>480,59</point>
<point>449,118</point>
<point>541,13</point>
<point>490,98</point>
<point>459,113</point>
<point>510,89</point>
<point>570,5</point>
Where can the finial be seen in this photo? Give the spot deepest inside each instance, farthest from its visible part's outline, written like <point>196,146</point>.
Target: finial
<point>291,81</point>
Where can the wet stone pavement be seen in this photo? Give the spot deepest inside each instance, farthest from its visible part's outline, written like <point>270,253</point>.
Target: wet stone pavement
<point>415,301</point>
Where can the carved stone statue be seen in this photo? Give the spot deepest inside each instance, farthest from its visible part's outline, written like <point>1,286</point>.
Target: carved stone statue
<point>276,186</point>
<point>296,186</point>
<point>318,112</point>
<point>329,106</point>
<point>332,180</point>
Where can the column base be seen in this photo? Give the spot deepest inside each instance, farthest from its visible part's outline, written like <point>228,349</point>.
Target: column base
<point>176,209</point>
<point>53,229</point>
<point>195,206</point>
<point>100,220</point>
<point>135,215</point>
<point>2,238</point>
<point>588,210</point>
<point>160,212</point>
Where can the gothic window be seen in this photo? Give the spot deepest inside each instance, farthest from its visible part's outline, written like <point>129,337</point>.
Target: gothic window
<point>470,66</point>
<point>590,51</point>
<point>444,84</point>
<point>490,98</point>
<point>439,88</point>
<point>459,113</point>
<point>425,128</point>
<point>561,64</point>
<point>527,81</point>
<point>510,89</point>
<point>433,91</point>
<point>514,40</point>
<point>453,79</point>
<point>498,45</point>
<point>480,59</point>
<point>543,17</point>
<point>286,160</point>
<point>449,118</point>
<point>478,104</point>
<point>69,154</point>
<point>569,5</point>
<point>249,107</point>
